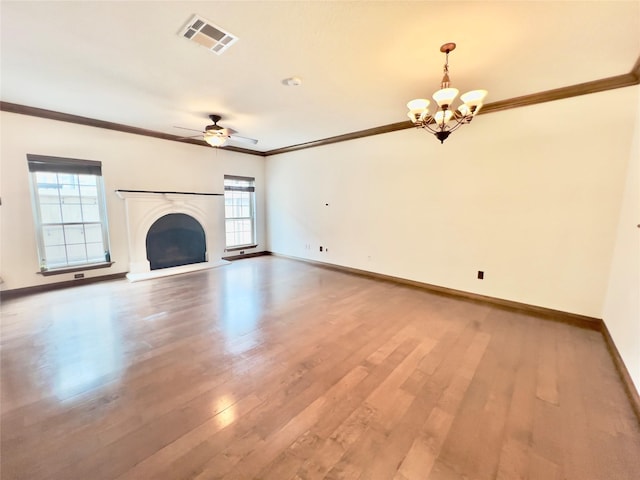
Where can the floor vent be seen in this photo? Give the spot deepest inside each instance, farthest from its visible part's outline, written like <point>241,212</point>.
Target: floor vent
<point>208,35</point>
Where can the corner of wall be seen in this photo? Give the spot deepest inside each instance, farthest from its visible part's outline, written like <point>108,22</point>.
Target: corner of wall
<point>621,311</point>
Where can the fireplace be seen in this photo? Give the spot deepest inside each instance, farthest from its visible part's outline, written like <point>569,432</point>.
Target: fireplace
<point>175,239</point>
<point>173,232</point>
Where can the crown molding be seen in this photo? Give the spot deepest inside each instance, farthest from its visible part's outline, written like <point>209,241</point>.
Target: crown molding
<point>118,127</point>
<point>594,86</point>
<point>392,127</point>
<point>635,71</point>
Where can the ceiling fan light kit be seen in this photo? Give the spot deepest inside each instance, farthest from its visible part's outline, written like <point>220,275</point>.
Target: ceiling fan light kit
<point>215,135</point>
<point>445,120</point>
<point>214,139</point>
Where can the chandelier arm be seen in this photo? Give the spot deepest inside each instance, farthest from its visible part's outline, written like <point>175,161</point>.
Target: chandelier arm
<point>428,128</point>
<point>429,124</point>
<point>448,128</point>
<point>459,123</point>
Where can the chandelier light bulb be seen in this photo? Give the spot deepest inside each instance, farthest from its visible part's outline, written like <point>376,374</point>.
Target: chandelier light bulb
<point>474,97</point>
<point>418,109</point>
<point>473,100</point>
<point>464,110</point>
<point>442,117</point>
<point>445,96</point>
<point>418,104</point>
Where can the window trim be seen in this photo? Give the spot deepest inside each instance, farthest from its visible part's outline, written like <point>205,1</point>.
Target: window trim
<point>70,166</point>
<point>80,268</point>
<point>251,189</point>
<point>241,247</point>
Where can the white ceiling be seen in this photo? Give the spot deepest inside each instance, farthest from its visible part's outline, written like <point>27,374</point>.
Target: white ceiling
<point>360,61</point>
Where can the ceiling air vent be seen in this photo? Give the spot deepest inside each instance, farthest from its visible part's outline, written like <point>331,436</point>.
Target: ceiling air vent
<point>208,34</point>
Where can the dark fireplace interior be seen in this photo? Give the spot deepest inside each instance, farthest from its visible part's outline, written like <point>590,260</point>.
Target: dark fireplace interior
<point>175,239</point>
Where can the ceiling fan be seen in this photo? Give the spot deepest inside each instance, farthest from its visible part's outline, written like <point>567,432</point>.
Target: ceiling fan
<point>216,136</point>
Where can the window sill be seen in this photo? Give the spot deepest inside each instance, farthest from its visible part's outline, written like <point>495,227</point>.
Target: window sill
<point>241,247</point>
<point>79,268</point>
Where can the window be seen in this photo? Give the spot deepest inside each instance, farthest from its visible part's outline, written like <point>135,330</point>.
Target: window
<point>239,211</point>
<point>69,212</point>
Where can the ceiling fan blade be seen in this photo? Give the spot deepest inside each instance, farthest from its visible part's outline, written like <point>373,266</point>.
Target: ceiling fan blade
<point>239,139</point>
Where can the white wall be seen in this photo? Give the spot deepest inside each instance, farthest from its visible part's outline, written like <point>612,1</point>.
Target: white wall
<point>530,196</point>
<point>622,307</point>
<point>128,162</point>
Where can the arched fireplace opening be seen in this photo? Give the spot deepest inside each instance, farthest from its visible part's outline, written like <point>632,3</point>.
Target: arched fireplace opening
<point>175,239</point>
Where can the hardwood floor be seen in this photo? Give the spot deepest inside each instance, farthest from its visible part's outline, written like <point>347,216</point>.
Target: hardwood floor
<point>275,369</point>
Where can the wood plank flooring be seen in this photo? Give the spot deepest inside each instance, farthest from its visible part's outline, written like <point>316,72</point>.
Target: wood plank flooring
<point>270,368</point>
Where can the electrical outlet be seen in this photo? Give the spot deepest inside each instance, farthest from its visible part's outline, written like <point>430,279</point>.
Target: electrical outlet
<point>320,247</point>
<point>480,275</point>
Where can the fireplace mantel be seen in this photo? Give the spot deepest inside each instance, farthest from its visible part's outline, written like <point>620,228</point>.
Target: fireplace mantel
<point>143,208</point>
<point>124,193</point>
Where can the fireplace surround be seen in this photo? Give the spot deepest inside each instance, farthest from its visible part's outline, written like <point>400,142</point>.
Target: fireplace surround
<point>145,208</point>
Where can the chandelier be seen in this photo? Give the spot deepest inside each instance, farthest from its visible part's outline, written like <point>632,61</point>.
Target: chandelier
<point>446,120</point>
